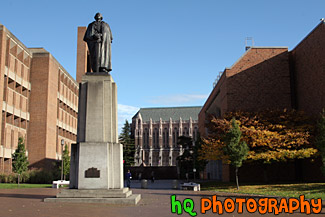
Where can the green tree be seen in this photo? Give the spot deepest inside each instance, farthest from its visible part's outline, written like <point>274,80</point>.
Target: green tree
<point>66,162</point>
<point>19,159</point>
<point>320,139</point>
<point>235,149</point>
<point>128,144</point>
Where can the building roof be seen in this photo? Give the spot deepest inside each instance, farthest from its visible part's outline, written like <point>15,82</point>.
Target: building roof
<point>256,47</point>
<point>39,51</point>
<point>322,22</point>
<point>169,112</point>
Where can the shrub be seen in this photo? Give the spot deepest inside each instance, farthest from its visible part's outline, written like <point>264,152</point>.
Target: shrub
<point>31,176</point>
<point>25,177</point>
<point>12,178</point>
<point>41,177</point>
<point>2,178</point>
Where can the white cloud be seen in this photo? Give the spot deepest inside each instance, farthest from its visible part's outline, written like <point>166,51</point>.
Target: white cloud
<point>125,112</point>
<point>179,99</point>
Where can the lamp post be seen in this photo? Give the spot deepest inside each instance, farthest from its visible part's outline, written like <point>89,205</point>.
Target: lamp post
<point>62,144</point>
<point>194,169</point>
<point>191,152</point>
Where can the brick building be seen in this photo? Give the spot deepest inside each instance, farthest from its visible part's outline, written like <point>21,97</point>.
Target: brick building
<point>53,108</point>
<point>272,78</point>
<point>82,54</point>
<point>15,87</point>
<point>39,102</point>
<point>156,131</point>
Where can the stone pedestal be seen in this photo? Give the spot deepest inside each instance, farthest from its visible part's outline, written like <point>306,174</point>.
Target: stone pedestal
<point>96,168</point>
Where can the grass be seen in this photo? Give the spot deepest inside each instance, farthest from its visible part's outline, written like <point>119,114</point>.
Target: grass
<point>310,190</point>
<point>14,186</point>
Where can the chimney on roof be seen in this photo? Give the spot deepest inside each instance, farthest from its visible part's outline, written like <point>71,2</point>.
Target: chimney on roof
<point>249,42</point>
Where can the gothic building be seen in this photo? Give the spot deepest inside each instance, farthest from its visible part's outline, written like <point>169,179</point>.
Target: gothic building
<point>156,130</point>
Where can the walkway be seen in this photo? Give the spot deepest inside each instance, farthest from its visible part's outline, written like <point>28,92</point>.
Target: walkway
<point>154,203</point>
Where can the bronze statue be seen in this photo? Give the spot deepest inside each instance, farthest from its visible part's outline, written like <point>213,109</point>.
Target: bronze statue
<point>99,38</point>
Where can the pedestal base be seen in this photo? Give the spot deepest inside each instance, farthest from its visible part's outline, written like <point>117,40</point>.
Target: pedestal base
<point>115,196</point>
<point>96,165</point>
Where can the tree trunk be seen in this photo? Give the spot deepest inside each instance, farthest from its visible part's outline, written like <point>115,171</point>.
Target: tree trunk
<point>18,179</point>
<point>237,178</point>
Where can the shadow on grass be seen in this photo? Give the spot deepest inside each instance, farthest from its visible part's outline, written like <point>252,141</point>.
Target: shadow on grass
<point>23,186</point>
<point>310,188</point>
<point>26,196</point>
<point>218,194</point>
<point>297,187</point>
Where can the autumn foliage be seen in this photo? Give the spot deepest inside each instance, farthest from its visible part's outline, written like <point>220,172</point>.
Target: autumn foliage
<point>271,135</point>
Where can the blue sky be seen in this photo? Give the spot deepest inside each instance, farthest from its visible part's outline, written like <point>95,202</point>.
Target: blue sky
<point>164,52</point>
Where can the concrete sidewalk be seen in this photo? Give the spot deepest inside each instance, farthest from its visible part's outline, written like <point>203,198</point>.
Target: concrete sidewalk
<point>157,184</point>
<point>154,202</point>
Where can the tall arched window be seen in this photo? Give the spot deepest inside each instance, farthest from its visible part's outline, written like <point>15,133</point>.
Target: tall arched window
<point>185,132</point>
<point>195,134</point>
<point>165,137</point>
<point>145,137</point>
<point>156,137</point>
<point>175,136</point>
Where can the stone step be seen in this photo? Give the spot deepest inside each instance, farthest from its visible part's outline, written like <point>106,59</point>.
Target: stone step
<point>131,200</point>
<point>98,193</point>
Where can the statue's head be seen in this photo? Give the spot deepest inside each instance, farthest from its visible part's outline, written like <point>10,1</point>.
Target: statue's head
<point>98,16</point>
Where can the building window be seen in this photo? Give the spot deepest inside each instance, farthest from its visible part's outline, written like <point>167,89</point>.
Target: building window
<point>164,141</point>
<point>145,137</point>
<point>165,137</point>
<point>195,134</point>
<point>155,138</point>
<point>185,132</point>
<point>175,136</point>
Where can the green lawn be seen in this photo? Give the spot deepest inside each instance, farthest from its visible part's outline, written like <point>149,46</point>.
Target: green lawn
<point>310,190</point>
<point>12,186</point>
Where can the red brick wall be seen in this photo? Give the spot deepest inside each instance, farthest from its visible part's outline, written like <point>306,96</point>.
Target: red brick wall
<point>260,80</point>
<point>2,69</point>
<point>81,54</point>
<point>52,108</point>
<point>309,66</point>
<point>37,131</point>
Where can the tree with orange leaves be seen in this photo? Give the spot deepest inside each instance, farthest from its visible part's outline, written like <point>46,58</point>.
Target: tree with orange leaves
<point>272,135</point>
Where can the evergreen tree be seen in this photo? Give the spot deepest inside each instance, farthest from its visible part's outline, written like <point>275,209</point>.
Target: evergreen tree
<point>235,149</point>
<point>66,161</point>
<point>128,144</point>
<point>19,159</point>
<point>199,163</point>
<point>320,139</point>
<point>189,159</point>
<point>185,161</point>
